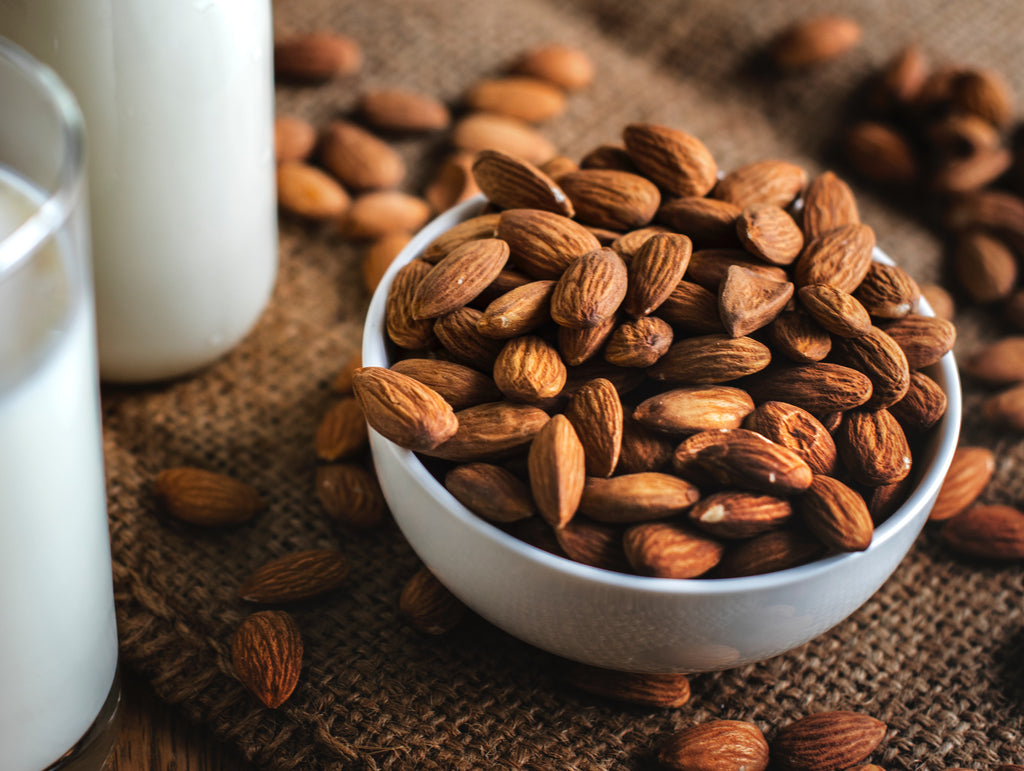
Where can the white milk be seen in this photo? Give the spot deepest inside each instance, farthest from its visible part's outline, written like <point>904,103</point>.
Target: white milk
<point>58,641</point>
<point>178,105</point>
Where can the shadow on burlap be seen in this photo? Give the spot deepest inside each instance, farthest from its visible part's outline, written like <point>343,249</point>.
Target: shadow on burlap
<point>936,653</point>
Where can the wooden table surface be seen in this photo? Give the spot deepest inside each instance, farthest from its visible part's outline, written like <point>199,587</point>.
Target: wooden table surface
<point>154,737</point>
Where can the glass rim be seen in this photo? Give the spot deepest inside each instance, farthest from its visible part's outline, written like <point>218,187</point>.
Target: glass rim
<point>54,210</point>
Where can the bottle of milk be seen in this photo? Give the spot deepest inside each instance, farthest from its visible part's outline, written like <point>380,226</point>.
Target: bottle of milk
<point>178,105</point>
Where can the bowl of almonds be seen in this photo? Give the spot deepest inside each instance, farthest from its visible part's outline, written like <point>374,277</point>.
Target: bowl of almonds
<point>652,416</point>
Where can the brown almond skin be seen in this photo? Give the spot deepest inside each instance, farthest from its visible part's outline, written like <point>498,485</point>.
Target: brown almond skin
<point>734,514</point>
<point>512,183</point>
<point>452,183</point>
<point>529,369</point>
<point>380,254</point>
<point>486,131</point>
<point>628,244</point>
<point>798,430</point>
<point>711,359</point>
<point>723,745</point>
<point>543,243</point>
<point>578,345</point>
<point>692,308</point>
<point>630,498</point>
<point>837,515</point>
<point>403,410</point>
<point>881,153</point>
<point>879,357</point>
<point>762,182</point>
<point>489,431</point>
<point>595,411</point>
<point>670,550</point>
<point>818,388</point>
<point>454,281</point>
<point>873,447</point>
<point>828,204</point>
<point>827,741</point>
<point>518,311</point>
<point>296,576</point>
<point>642,449</point>
<point>528,99</point>
<point>359,159</point>
<point>835,310</point>
<point>350,495</point>
<point>612,199</point>
<point>769,552</point>
<point>490,491</point>
<point>654,272</point>
<point>266,655</point>
<point>294,138</point>
<point>994,532</point>
<point>458,333</point>
<point>747,301</point>
<point>316,56</point>
<point>638,342</point>
<point>342,431</point>
<point>841,257</point>
<point>307,192</point>
<point>768,232</point>
<point>557,471</point>
<point>593,543</point>
<point>481,226</point>
<point>590,290</point>
<point>206,498</point>
<point>428,605</point>
<point>677,162</point>
<point>378,213</point>
<point>402,329</point>
<point>708,267</point>
<point>685,456</point>
<point>752,464</point>
<point>984,266</point>
<point>969,474</point>
<point>814,40</point>
<point>799,337</point>
<point>459,385</point>
<point>888,291</point>
<point>923,405</point>
<point>924,339</point>
<point>695,408</point>
<point>395,109</point>
<point>565,66</point>
<point>998,363</point>
<point>707,221</point>
<point>666,691</point>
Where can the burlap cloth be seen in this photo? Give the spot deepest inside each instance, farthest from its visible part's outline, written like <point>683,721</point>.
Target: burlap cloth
<point>938,652</point>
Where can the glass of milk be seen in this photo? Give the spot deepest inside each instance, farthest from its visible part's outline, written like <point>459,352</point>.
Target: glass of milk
<point>178,103</point>
<point>59,692</point>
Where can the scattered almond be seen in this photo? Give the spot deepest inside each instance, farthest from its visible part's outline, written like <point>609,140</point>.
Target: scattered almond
<point>296,576</point>
<point>206,498</point>
<point>266,654</point>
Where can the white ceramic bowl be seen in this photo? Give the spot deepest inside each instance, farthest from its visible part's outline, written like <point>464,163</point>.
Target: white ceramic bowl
<point>628,622</point>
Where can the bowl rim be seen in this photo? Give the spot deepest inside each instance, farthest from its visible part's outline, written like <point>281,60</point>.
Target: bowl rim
<point>374,353</point>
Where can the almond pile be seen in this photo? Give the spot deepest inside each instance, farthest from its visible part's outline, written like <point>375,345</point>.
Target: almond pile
<point>682,374</point>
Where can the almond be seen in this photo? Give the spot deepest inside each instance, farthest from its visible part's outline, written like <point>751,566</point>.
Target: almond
<point>735,514</point>
<point>590,290</point>
<point>350,495</point>
<point>557,471</point>
<point>379,256</point>
<point>518,311</point>
<point>531,100</point>
<point>670,550</point>
<point>565,66</point>
<point>828,204</point>
<point>691,307</point>
<point>342,382</point>
<point>686,456</point>
<point>753,464</point>
<point>667,691</point>
<point>458,278</point>
<point>985,93</point>
<point>841,257</point>
<point>993,532</point>
<point>453,183</point>
<point>880,153</point>
<point>506,280</point>
<point>206,498</point>
<point>766,553</point>
<point>595,411</point>
<point>458,333</point>
<point>968,476</point>
<point>708,267</point>
<point>316,56</point>
<point>984,266</point>
<point>707,221</point>
<point>594,544</point>
<point>971,172</point>
<point>923,339</point>
<point>294,138</point>
<point>493,430</point>
<point>797,429</point>
<point>827,741</point>
<point>997,211</point>
<point>902,78</point>
<point>609,157</point>
<point>359,159</point>
<point>396,109</point>
<point>307,192</point>
<point>814,40</point>
<point>747,301</point>
<point>628,244</point>
<point>342,431</point>
<point>939,301</point>
<point>485,131</point>
<point>1005,409</point>
<point>923,405</point>
<point>580,345</point>
<point>711,359</point>
<point>818,388</point>
<point>882,360</point>
<point>611,199</point>
<point>654,272</point>
<point>642,449</point>
<point>428,605</point>
<point>490,491</point>
<point>558,165</point>
<point>998,363</point>
<point>403,410</point>
<point>481,226</point>
<point>762,182</point>
<point>677,162</point>
<point>641,497</point>
<point>512,183</point>
<point>402,329</point>
<point>638,342</point>
<point>266,655</point>
<point>457,384</point>
<point>768,232</point>
<point>382,212</point>
<point>796,335</point>
<point>543,244</point>
<point>296,576</point>
<point>837,516</point>
<point>888,291</point>
<point>718,745</point>
<point>696,408</point>
<point>873,447</point>
<point>529,369</point>
<point>837,311</point>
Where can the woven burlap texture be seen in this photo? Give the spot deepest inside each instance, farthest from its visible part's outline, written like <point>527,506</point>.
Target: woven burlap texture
<point>937,653</point>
